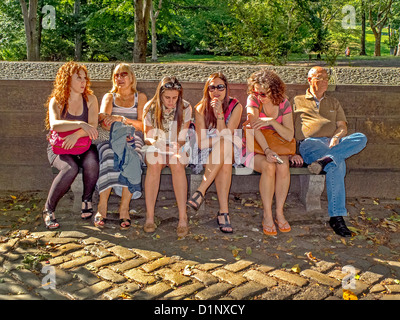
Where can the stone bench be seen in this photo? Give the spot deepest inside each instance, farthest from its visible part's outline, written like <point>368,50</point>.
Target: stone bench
<point>311,186</point>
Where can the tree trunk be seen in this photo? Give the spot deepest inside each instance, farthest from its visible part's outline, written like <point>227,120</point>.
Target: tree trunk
<point>154,16</point>
<point>377,27</point>
<point>363,29</point>
<point>378,37</point>
<point>31,32</point>
<point>142,15</point>
<point>78,37</point>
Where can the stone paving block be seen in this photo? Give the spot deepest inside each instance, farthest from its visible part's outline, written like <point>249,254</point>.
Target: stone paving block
<point>51,294</point>
<point>65,249</point>
<point>59,260</point>
<point>27,278</point>
<point>208,266</point>
<point>92,291</point>
<point>122,252</point>
<point>377,288</point>
<point>20,297</point>
<point>156,264</point>
<point>176,278</point>
<point>181,265</point>
<point>289,277</point>
<point>62,277</point>
<point>384,297</point>
<point>98,251</point>
<point>248,290</point>
<point>281,292</point>
<point>230,277</point>
<point>109,275</point>
<point>204,277</point>
<point>55,241</point>
<point>153,292</point>
<point>122,290</point>
<point>149,255</point>
<point>85,275</point>
<point>10,286</point>
<point>393,288</point>
<point>238,266</point>
<point>72,234</point>
<point>77,262</point>
<point>184,291</point>
<point>261,278</point>
<point>7,246</point>
<point>215,291</point>
<point>323,266</point>
<point>321,278</point>
<point>130,264</point>
<point>140,276</point>
<point>102,262</point>
<point>41,234</point>
<point>371,277</point>
<point>91,240</point>
<point>265,268</point>
<point>313,292</point>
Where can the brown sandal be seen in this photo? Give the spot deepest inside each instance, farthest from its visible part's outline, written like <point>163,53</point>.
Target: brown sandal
<point>196,195</point>
<point>149,227</point>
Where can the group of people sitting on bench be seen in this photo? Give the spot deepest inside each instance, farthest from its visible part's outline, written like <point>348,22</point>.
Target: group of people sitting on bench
<point>129,132</point>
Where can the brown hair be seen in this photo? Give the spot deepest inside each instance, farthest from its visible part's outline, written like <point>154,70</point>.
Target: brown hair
<point>156,103</point>
<point>270,81</point>
<point>205,102</point>
<point>62,87</point>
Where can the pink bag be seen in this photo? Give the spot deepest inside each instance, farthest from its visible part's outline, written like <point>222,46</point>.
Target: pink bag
<point>56,141</point>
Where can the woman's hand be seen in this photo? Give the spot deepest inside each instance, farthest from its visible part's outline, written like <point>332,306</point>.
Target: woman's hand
<point>270,155</point>
<point>216,104</point>
<point>90,130</point>
<point>296,160</point>
<point>261,122</point>
<point>70,141</point>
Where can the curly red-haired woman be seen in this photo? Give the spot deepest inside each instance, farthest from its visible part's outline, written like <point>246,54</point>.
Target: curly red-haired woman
<point>72,106</point>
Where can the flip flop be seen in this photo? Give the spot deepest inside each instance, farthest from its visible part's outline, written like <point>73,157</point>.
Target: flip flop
<point>269,230</point>
<point>283,227</point>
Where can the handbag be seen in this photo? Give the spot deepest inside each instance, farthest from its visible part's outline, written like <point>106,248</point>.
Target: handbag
<point>56,140</point>
<point>275,142</point>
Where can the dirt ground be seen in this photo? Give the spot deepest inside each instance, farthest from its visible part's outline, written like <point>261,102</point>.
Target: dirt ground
<point>375,224</point>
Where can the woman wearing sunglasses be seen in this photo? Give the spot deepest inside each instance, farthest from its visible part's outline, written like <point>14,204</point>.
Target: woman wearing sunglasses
<point>217,115</point>
<point>166,119</point>
<point>124,104</point>
<point>267,107</point>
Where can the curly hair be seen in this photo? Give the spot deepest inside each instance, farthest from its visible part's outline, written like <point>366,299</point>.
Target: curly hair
<point>62,87</point>
<point>270,81</point>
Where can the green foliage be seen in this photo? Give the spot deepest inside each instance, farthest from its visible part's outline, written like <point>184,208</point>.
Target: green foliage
<point>271,31</point>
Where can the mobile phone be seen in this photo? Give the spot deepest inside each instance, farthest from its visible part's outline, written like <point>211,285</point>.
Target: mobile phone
<point>280,161</point>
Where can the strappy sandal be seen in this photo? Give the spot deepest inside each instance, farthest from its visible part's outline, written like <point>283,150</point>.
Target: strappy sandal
<point>99,221</point>
<point>196,195</point>
<point>86,210</point>
<point>124,224</point>
<point>283,227</point>
<point>49,221</point>
<point>224,225</point>
<point>182,231</point>
<point>269,230</point>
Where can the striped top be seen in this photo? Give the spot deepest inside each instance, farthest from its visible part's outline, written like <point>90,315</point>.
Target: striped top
<point>284,108</point>
<point>127,112</point>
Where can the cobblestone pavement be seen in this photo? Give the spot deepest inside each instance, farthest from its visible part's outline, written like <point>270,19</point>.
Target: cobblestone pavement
<point>80,261</point>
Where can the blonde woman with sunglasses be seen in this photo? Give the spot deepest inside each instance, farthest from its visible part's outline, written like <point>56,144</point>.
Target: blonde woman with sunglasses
<point>166,119</point>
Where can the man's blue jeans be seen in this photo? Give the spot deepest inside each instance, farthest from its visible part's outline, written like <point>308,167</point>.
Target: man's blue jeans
<point>312,149</point>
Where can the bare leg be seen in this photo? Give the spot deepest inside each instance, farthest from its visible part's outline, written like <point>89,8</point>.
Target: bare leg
<point>281,188</point>
<point>179,183</point>
<point>223,184</point>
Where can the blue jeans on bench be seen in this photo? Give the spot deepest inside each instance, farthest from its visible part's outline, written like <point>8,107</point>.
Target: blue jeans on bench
<point>312,149</point>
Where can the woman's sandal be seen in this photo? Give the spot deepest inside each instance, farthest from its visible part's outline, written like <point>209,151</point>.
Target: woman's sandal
<point>269,230</point>
<point>49,221</point>
<point>182,231</point>
<point>124,224</point>
<point>149,227</point>
<point>224,225</point>
<point>99,221</point>
<point>87,210</point>
<point>196,195</point>
<point>283,227</point>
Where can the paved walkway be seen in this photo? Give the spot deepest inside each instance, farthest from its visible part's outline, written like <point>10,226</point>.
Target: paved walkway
<point>79,261</point>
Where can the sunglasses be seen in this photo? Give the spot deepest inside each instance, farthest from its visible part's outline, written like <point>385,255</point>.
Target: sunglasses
<point>260,94</point>
<point>122,75</point>
<point>172,85</point>
<point>219,87</point>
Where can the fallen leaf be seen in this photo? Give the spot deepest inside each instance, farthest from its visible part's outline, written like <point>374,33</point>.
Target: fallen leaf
<point>296,268</point>
<point>248,251</point>
<point>349,295</point>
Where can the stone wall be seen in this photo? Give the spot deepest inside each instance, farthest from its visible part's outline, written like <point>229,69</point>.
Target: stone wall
<point>370,98</point>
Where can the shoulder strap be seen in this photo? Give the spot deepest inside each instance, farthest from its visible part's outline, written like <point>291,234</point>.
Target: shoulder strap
<point>231,106</point>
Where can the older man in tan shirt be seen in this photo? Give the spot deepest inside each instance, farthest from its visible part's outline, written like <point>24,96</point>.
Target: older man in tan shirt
<point>321,129</point>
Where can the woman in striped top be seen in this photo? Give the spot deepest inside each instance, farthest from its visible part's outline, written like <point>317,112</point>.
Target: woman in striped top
<point>267,107</point>
<point>125,104</point>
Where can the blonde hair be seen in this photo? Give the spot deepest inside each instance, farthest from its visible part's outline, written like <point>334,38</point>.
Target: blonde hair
<point>124,67</point>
